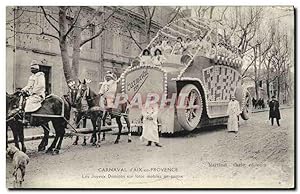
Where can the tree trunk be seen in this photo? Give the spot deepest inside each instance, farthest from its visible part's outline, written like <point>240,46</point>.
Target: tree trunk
<point>147,21</point>
<point>148,31</point>
<point>63,44</point>
<point>256,89</point>
<point>76,51</point>
<point>268,79</point>
<point>268,88</point>
<point>211,12</point>
<point>65,60</point>
<point>278,88</point>
<point>256,78</point>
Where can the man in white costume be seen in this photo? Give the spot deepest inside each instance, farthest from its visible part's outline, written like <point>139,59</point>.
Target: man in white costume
<point>108,92</point>
<point>35,87</point>
<point>150,124</point>
<point>233,112</point>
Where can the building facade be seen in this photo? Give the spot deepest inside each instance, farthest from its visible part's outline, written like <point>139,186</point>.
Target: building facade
<point>113,50</point>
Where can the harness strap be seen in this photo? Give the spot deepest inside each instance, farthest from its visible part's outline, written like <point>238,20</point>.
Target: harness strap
<point>21,102</point>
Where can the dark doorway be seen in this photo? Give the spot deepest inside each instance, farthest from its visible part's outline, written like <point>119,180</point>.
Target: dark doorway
<point>47,72</point>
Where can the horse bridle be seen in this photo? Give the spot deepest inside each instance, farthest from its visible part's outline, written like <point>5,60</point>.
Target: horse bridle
<point>16,104</point>
<point>84,94</point>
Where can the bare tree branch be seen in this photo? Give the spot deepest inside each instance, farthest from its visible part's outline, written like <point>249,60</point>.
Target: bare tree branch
<point>135,41</point>
<point>101,30</point>
<point>53,18</point>
<point>16,18</point>
<point>152,14</point>
<point>35,33</point>
<point>86,26</point>
<point>174,17</point>
<point>74,23</point>
<point>50,35</point>
<point>46,17</point>
<point>245,71</point>
<point>145,14</point>
<point>223,13</point>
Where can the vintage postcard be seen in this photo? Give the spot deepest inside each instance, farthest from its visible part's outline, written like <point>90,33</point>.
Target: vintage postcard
<point>150,97</point>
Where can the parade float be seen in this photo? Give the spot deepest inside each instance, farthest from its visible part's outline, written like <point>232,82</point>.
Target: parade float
<point>209,76</point>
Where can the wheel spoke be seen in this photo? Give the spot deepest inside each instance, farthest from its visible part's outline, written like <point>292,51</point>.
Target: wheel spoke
<point>192,101</point>
<point>193,97</point>
<point>193,113</point>
<point>188,111</point>
<point>190,114</point>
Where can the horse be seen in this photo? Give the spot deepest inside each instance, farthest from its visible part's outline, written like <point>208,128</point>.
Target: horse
<point>17,128</point>
<point>79,111</point>
<point>83,114</point>
<point>52,105</point>
<point>84,91</point>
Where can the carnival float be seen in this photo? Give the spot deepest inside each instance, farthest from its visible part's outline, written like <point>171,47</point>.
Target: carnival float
<point>206,71</point>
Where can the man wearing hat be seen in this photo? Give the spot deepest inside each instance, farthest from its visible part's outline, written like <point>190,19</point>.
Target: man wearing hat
<point>233,112</point>
<point>274,111</point>
<point>35,87</point>
<point>107,92</point>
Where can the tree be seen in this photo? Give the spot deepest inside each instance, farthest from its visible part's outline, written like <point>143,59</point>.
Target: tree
<point>211,12</point>
<point>66,25</point>
<point>149,26</point>
<point>280,60</point>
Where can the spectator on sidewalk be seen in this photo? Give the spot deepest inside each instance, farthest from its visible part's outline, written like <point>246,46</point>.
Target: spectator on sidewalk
<point>262,103</point>
<point>233,112</point>
<point>259,103</point>
<point>274,111</point>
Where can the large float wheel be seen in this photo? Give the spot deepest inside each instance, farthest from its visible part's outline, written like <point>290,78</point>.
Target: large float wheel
<point>247,109</point>
<point>189,114</point>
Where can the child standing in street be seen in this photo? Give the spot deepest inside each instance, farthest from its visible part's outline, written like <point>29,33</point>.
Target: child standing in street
<point>150,124</point>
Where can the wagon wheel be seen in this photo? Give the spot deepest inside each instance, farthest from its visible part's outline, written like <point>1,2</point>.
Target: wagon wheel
<point>190,114</point>
<point>247,109</point>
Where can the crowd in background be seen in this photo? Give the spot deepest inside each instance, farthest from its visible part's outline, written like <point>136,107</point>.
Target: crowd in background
<point>258,103</point>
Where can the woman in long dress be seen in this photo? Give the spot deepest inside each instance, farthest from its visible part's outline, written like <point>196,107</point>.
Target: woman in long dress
<point>150,125</point>
<point>233,112</point>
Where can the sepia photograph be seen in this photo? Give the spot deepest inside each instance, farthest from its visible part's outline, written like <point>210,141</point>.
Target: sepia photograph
<point>150,97</point>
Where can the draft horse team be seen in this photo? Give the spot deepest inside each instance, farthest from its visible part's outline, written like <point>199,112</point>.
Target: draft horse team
<point>30,106</point>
